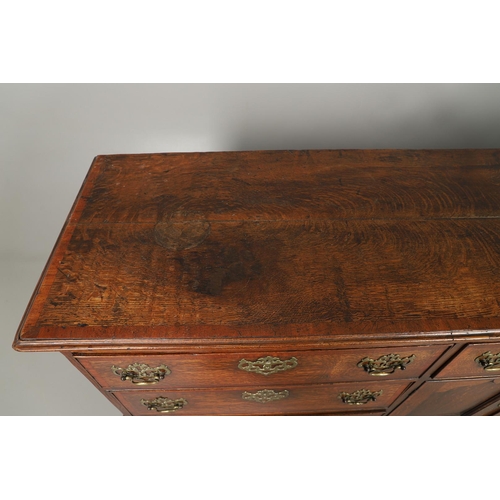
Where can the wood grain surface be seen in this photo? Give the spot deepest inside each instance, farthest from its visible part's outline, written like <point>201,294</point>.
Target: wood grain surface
<point>289,185</point>
<point>250,245</point>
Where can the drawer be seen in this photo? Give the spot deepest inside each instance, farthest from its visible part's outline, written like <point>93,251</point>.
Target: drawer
<point>449,397</point>
<point>476,360</point>
<point>259,369</point>
<point>272,400</point>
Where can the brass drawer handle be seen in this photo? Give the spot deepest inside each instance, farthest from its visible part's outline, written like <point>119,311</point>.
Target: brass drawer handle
<point>489,362</point>
<point>385,365</point>
<point>268,365</point>
<point>141,374</point>
<point>360,397</point>
<point>164,404</point>
<point>265,395</point>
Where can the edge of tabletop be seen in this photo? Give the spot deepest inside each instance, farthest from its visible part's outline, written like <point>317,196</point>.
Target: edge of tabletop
<point>33,308</point>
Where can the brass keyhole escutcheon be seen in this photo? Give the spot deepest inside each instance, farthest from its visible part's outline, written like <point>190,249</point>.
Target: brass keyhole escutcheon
<point>265,395</point>
<point>268,365</point>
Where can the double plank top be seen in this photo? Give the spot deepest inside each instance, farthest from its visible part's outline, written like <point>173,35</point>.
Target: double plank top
<point>187,247</point>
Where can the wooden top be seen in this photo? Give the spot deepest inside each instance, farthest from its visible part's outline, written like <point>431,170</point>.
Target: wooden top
<point>270,245</point>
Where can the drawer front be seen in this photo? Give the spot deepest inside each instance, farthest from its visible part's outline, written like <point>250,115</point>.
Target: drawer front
<point>476,360</point>
<point>259,369</point>
<point>449,397</point>
<point>273,400</point>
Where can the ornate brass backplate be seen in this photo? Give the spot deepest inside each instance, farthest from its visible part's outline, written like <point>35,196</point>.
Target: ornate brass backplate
<point>141,374</point>
<point>360,397</point>
<point>164,404</point>
<point>385,365</point>
<point>265,395</point>
<point>489,362</point>
<point>267,365</point>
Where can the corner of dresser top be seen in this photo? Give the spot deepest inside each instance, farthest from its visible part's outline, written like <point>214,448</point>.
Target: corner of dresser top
<point>21,345</point>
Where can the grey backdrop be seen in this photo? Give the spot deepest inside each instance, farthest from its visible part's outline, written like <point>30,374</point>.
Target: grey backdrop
<point>49,135</point>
